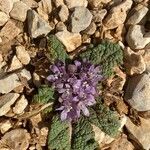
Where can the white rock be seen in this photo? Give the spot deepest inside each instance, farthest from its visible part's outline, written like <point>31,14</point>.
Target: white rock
<point>97,3</point>
<point>6,6</point>
<point>70,40</point>
<point>36,25</point>
<point>76,3</point>
<point>6,101</point>
<point>22,55</point>
<point>26,74</point>
<point>91,29</point>
<point>36,80</point>
<point>61,26</point>
<point>9,83</point>
<point>30,3</point>
<point>137,92</point>
<point>138,13</point>
<point>19,11</point>
<point>63,13</point>
<point>15,64</point>
<point>3,18</point>
<point>98,15</point>
<point>80,19</point>
<point>20,105</point>
<point>140,134</point>
<point>117,15</point>
<point>136,37</point>
<point>134,63</point>
<point>58,2</point>
<point>5,126</point>
<point>10,30</point>
<point>46,6</point>
<point>44,9</point>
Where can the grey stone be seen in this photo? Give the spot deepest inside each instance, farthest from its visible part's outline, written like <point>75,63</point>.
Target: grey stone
<point>36,25</point>
<point>80,19</point>
<point>136,37</point>
<point>138,13</point>
<point>138,92</point>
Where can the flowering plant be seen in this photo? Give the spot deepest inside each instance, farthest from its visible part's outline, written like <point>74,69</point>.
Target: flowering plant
<point>76,83</point>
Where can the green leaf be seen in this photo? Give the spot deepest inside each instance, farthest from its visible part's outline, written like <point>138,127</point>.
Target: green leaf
<point>106,54</point>
<point>83,135</point>
<point>105,119</point>
<point>56,50</point>
<point>60,135</point>
<point>45,94</point>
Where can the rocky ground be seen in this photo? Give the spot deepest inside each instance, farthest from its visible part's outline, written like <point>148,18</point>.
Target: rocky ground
<point>24,26</point>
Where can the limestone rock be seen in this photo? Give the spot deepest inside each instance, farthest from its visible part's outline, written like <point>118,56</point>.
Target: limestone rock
<point>17,139</point>
<point>26,74</point>
<point>6,101</point>
<point>30,3</point>
<point>122,144</point>
<point>146,57</point>
<point>5,126</point>
<point>11,29</point>
<point>137,92</point>
<point>63,13</point>
<point>134,62</point>
<point>61,26</point>
<point>36,25</point>
<point>136,37</point>
<point>98,15</point>
<point>117,15</point>
<point>137,14</point>
<point>22,55</point>
<point>3,18</point>
<point>80,19</point>
<point>19,11</point>
<point>140,134</point>
<point>58,2</point>
<point>45,8</point>
<point>15,64</point>
<point>9,83</point>
<point>97,3</point>
<point>91,29</point>
<point>70,40</point>
<point>6,6</point>
<point>20,105</point>
<point>76,3</point>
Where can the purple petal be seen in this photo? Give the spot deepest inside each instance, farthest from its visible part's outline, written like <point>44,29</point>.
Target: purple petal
<point>84,109</point>
<point>54,69</point>
<point>63,115</point>
<point>77,63</point>
<point>51,78</point>
<point>90,100</point>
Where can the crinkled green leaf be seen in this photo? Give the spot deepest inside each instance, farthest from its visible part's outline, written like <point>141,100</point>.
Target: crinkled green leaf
<point>83,135</point>
<point>106,54</point>
<point>105,119</point>
<point>56,50</point>
<point>45,94</point>
<point>60,135</point>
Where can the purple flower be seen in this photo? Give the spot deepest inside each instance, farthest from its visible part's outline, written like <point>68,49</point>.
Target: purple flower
<point>76,84</point>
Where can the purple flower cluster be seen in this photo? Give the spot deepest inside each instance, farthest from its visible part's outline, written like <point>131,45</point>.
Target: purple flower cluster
<point>76,83</point>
